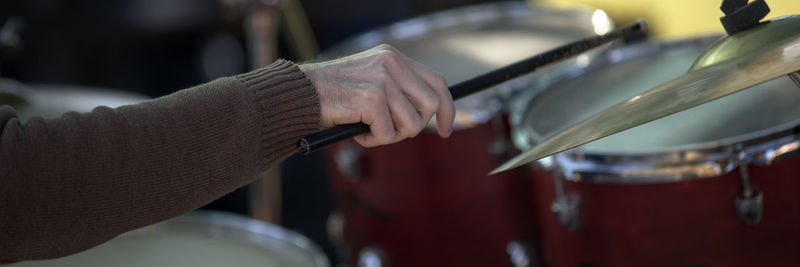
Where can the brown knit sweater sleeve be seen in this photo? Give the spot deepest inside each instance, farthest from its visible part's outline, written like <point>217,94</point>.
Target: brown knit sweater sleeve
<point>71,183</point>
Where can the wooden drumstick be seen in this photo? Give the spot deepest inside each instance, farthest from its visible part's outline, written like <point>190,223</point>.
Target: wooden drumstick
<point>476,84</point>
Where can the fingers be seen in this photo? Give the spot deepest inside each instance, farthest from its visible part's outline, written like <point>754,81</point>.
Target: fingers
<point>446,112</point>
<point>379,120</point>
<point>412,89</point>
<point>393,94</point>
<point>406,119</point>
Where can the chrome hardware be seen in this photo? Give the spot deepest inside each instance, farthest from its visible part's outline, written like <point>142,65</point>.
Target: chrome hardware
<point>335,227</point>
<point>521,254</point>
<point>749,203</point>
<point>370,257</point>
<point>566,206</point>
<point>795,77</point>
<point>500,146</point>
<point>347,161</point>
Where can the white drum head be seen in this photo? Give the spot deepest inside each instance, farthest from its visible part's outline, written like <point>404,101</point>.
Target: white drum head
<point>199,239</point>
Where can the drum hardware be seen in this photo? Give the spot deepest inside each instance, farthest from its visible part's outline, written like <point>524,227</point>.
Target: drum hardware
<point>796,78</point>
<point>500,144</point>
<point>371,257</point>
<point>348,161</point>
<point>740,15</point>
<point>335,228</point>
<point>565,206</point>
<point>521,254</point>
<point>749,203</point>
<point>261,26</point>
<point>460,90</point>
<point>756,55</point>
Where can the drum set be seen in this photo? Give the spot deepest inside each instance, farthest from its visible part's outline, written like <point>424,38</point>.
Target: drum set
<point>713,185</point>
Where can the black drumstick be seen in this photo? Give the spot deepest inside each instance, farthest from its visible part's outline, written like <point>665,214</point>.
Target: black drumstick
<point>465,88</point>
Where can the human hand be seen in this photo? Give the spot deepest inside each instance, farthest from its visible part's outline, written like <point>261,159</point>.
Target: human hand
<point>393,94</point>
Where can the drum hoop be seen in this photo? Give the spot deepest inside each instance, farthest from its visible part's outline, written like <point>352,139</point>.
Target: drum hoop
<point>472,15</point>
<point>692,161</point>
<point>225,224</point>
<point>475,16</point>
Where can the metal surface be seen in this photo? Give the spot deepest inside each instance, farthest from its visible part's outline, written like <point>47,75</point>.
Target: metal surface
<point>371,257</point>
<point>566,206</point>
<point>698,86</point>
<point>348,161</point>
<point>206,236</point>
<point>749,202</point>
<point>696,143</point>
<point>261,27</point>
<point>520,254</point>
<point>779,30</point>
<point>750,207</point>
<point>796,78</point>
<point>51,101</point>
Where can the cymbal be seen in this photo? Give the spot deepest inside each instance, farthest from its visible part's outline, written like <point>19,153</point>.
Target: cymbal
<point>732,64</point>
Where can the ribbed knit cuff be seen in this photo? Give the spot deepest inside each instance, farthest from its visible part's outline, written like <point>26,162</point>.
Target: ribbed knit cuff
<point>290,107</point>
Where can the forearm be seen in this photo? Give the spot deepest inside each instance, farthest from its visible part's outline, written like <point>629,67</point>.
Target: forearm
<point>71,183</point>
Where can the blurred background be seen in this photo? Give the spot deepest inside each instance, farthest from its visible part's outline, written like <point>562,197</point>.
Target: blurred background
<point>156,47</point>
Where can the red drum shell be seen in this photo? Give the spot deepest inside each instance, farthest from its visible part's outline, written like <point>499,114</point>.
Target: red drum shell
<point>428,202</point>
<point>688,223</point>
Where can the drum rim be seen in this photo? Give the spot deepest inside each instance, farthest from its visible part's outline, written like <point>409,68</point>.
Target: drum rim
<point>228,223</point>
<point>477,15</point>
<point>691,161</point>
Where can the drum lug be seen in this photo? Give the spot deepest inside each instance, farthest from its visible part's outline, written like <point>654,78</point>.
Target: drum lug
<point>335,227</point>
<point>566,207</point>
<point>749,202</point>
<point>521,254</point>
<point>348,159</point>
<point>500,146</point>
<point>371,256</point>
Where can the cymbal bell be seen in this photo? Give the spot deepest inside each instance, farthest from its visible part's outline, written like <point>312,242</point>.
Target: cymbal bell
<point>731,64</point>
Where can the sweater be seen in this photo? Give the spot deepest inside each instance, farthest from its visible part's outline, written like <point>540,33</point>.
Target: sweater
<point>71,183</point>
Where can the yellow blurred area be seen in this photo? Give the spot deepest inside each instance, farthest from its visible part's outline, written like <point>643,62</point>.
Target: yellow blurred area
<point>673,19</point>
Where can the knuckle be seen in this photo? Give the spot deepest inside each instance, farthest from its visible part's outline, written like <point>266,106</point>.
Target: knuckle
<point>438,76</point>
<point>430,104</point>
<point>384,77</point>
<point>411,128</point>
<point>374,98</point>
<point>439,81</point>
<point>418,128</point>
<point>386,138</point>
<point>388,59</point>
<point>386,47</point>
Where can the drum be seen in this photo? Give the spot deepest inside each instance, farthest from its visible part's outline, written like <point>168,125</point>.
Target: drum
<point>427,201</point>
<point>715,185</point>
<point>51,101</point>
<point>200,238</point>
